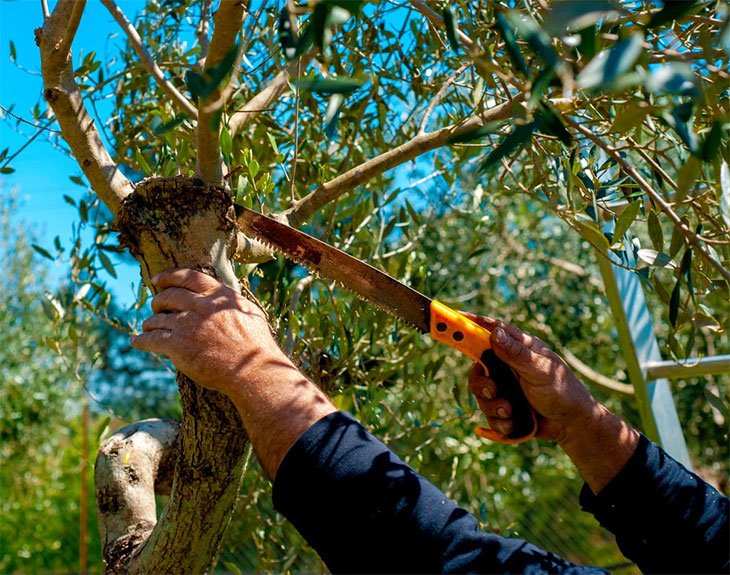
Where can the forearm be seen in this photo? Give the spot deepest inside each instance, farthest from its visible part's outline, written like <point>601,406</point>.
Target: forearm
<point>665,518</point>
<point>277,404</point>
<point>599,445</point>
<point>365,511</point>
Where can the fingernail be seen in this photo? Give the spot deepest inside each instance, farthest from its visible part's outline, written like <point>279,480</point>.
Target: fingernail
<point>500,335</point>
<point>486,393</point>
<point>501,412</point>
<point>132,338</point>
<point>154,278</point>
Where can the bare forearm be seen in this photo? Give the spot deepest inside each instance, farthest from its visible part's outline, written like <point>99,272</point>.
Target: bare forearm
<point>277,404</point>
<point>599,446</point>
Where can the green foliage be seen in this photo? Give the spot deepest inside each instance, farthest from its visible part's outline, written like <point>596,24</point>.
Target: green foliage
<point>40,397</point>
<point>616,144</point>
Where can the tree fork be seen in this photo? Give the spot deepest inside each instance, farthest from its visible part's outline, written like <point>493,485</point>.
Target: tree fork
<point>180,222</point>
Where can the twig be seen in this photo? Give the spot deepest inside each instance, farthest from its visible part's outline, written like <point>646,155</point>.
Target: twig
<point>46,11</point>
<point>21,119</point>
<point>177,97</point>
<point>649,160</point>
<point>265,97</point>
<point>299,288</point>
<point>437,98</point>
<point>28,142</point>
<point>690,237</point>
<point>295,155</point>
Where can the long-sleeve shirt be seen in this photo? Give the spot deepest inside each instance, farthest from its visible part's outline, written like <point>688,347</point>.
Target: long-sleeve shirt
<point>365,511</point>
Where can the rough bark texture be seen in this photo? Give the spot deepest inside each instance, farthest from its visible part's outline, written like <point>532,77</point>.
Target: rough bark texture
<point>63,96</point>
<point>174,222</point>
<point>132,465</point>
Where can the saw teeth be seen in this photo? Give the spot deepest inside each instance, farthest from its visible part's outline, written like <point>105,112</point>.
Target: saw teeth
<point>316,273</point>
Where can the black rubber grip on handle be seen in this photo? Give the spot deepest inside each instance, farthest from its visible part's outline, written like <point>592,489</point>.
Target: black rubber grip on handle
<point>508,388</point>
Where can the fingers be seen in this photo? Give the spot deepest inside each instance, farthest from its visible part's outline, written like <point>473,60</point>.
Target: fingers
<point>188,279</point>
<point>498,411</point>
<point>515,352</point>
<point>479,384</point>
<point>493,324</point>
<point>485,321</point>
<point>155,341</point>
<point>160,321</point>
<point>175,299</point>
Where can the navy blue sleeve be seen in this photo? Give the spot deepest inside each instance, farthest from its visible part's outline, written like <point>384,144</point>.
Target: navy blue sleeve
<point>665,518</point>
<point>365,511</point>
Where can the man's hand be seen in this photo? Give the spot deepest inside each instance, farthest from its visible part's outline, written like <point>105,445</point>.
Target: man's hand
<point>551,388</point>
<point>211,333</point>
<point>598,442</point>
<point>222,341</point>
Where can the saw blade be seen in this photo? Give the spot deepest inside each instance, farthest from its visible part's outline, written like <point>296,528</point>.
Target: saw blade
<point>374,286</point>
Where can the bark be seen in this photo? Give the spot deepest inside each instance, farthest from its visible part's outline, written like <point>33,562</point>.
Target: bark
<point>176,222</point>
<point>132,465</point>
<point>64,98</point>
<point>228,20</point>
<point>176,97</point>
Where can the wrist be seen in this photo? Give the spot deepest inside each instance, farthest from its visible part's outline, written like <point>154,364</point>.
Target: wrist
<point>277,404</point>
<point>599,444</point>
<point>581,424</point>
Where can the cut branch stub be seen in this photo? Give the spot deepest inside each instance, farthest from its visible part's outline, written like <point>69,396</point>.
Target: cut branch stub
<point>179,222</point>
<point>132,466</point>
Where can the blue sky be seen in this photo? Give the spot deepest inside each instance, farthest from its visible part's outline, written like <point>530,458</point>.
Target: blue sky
<point>42,172</point>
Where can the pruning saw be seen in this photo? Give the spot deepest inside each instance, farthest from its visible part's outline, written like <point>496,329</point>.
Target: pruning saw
<point>420,312</point>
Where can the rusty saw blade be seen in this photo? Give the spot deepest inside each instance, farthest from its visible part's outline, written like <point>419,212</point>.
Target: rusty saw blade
<point>364,280</point>
<point>387,293</point>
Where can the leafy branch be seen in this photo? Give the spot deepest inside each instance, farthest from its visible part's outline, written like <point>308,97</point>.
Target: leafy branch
<point>149,63</point>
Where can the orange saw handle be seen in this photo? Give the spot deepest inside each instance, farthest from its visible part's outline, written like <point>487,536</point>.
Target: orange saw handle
<point>453,329</point>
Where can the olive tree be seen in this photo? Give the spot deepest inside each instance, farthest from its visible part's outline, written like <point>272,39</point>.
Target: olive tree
<point>612,117</point>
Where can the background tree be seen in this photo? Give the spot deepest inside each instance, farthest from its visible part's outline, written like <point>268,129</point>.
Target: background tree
<point>41,400</point>
<point>610,117</point>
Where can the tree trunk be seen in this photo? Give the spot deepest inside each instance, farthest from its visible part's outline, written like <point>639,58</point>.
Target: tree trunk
<point>174,222</point>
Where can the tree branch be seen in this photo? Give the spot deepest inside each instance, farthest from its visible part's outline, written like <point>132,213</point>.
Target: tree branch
<point>437,98</point>
<point>132,466</point>
<point>228,20</point>
<point>64,98</point>
<point>691,238</point>
<point>72,25</point>
<point>177,97</point>
<point>182,222</point>
<point>267,96</point>
<point>420,144</point>
<point>201,32</point>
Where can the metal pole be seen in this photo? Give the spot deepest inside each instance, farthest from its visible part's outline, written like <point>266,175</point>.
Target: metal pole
<point>684,369</point>
<point>635,328</point>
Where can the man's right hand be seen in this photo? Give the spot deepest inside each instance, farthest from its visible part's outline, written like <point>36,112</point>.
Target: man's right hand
<point>559,398</point>
<point>598,442</point>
